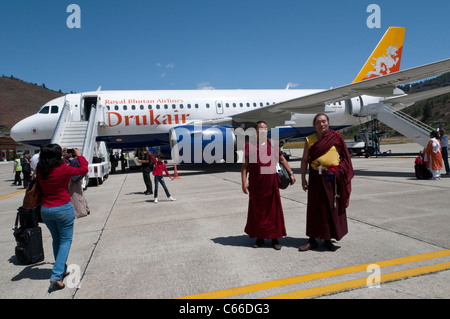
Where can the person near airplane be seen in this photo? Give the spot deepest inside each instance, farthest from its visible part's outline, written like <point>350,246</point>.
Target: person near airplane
<point>265,217</point>
<point>114,162</point>
<point>158,170</point>
<point>444,150</point>
<point>17,171</point>
<point>146,166</point>
<point>329,184</point>
<point>26,168</point>
<point>433,155</point>
<point>34,161</point>
<point>56,207</point>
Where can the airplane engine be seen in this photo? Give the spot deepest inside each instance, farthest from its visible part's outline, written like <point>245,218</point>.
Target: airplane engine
<point>202,144</point>
<point>362,106</point>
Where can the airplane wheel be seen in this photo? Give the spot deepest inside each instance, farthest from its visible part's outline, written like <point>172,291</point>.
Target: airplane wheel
<point>370,151</point>
<point>93,182</point>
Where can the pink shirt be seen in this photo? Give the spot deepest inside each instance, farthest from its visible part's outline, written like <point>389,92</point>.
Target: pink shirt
<point>159,167</point>
<point>55,189</point>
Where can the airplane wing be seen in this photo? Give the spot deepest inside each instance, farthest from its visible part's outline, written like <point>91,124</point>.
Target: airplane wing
<point>382,86</point>
<point>410,99</point>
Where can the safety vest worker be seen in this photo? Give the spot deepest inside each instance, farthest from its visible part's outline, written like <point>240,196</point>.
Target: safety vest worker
<point>17,166</point>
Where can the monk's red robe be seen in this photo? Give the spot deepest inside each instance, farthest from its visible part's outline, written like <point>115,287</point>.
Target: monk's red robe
<point>326,213</point>
<point>265,217</point>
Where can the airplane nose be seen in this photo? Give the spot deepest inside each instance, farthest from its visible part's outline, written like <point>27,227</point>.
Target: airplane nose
<point>33,130</point>
<point>22,130</point>
<point>16,130</point>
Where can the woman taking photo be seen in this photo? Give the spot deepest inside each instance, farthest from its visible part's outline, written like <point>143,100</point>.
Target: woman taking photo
<point>56,208</point>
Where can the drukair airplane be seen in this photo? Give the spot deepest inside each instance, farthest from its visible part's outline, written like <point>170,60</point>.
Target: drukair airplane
<point>201,118</point>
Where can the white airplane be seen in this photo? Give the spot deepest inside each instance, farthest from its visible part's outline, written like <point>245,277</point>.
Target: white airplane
<point>129,119</point>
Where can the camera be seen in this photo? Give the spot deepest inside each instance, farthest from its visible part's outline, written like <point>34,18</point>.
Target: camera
<point>70,151</point>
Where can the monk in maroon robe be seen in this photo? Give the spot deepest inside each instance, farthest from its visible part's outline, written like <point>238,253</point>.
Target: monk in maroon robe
<point>265,213</point>
<point>329,187</point>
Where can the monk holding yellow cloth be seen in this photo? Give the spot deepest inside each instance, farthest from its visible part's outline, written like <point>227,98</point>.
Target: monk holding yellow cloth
<point>329,184</point>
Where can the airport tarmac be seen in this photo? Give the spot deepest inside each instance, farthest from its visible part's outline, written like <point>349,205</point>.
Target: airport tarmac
<point>130,247</point>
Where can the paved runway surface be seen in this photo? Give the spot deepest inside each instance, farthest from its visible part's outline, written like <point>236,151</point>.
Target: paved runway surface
<point>130,247</point>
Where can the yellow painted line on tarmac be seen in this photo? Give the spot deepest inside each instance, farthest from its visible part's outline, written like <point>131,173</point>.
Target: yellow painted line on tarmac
<point>12,194</point>
<point>361,282</point>
<point>324,274</point>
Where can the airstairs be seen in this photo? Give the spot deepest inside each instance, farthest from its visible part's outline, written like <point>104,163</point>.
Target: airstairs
<point>79,134</point>
<point>74,135</point>
<point>73,132</point>
<point>408,126</point>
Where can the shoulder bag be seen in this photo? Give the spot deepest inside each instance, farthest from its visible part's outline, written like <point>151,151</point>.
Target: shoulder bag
<point>284,178</point>
<point>32,194</point>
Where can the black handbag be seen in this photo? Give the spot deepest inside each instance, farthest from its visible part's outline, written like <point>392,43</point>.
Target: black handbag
<point>284,178</point>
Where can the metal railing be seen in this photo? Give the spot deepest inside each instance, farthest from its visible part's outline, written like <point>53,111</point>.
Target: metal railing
<point>91,133</point>
<point>409,119</point>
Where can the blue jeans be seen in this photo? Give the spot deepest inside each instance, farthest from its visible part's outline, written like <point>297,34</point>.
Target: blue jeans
<point>159,179</point>
<point>59,221</point>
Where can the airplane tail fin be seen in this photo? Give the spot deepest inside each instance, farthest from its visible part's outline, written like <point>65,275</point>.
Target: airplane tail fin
<point>386,57</point>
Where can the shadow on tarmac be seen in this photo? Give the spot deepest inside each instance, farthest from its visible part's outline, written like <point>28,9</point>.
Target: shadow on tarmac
<point>405,175</point>
<point>195,169</point>
<point>32,272</point>
<point>245,241</point>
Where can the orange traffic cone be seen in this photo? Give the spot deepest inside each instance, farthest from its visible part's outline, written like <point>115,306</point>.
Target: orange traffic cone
<point>175,173</point>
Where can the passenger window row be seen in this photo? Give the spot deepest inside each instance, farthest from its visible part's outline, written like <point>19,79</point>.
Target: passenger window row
<point>254,104</point>
<point>151,107</point>
<point>182,106</point>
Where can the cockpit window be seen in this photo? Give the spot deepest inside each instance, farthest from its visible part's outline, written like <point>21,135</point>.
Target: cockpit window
<point>44,109</point>
<point>47,109</point>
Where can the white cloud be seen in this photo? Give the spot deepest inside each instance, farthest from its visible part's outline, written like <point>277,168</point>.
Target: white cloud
<point>205,86</point>
<point>168,65</point>
<point>291,85</point>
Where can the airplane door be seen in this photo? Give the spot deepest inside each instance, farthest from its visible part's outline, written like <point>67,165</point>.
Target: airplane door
<point>102,112</point>
<point>219,107</point>
<point>89,103</point>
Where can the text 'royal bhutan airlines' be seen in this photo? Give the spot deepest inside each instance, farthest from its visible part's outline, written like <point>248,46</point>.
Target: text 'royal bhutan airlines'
<point>144,101</point>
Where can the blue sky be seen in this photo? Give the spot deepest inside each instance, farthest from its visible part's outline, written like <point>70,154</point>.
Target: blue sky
<point>223,44</point>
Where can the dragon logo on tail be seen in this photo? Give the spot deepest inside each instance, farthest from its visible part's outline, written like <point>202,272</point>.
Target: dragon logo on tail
<point>385,64</point>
